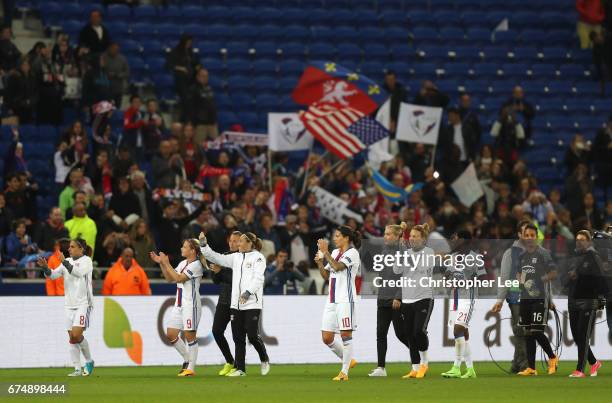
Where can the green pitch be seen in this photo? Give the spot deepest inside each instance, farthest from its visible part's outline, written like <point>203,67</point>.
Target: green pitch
<point>312,383</point>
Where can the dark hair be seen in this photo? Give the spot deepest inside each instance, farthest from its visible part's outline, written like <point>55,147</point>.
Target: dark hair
<point>531,227</point>
<point>521,224</point>
<point>83,245</point>
<point>76,192</point>
<point>464,234</point>
<point>256,242</point>
<point>133,97</point>
<point>63,244</point>
<point>278,252</point>
<point>18,222</point>
<point>353,236</point>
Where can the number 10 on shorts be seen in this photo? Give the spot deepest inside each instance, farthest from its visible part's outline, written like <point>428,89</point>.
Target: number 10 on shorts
<point>346,322</point>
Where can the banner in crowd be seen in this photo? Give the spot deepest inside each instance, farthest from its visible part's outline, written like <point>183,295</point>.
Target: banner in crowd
<point>237,138</point>
<point>334,208</point>
<point>286,132</point>
<point>129,331</point>
<point>180,194</point>
<point>326,82</point>
<point>418,124</point>
<point>467,187</point>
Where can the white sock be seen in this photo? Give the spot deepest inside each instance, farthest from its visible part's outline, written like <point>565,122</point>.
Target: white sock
<point>347,354</point>
<point>180,346</point>
<point>84,346</point>
<point>415,367</point>
<point>468,355</point>
<point>424,359</point>
<point>75,356</point>
<point>459,350</point>
<point>336,347</point>
<point>193,354</point>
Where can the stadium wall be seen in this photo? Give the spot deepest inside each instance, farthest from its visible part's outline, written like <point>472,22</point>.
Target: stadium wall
<point>129,331</point>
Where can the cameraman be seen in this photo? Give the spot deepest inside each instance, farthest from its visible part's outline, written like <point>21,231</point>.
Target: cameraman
<point>281,276</point>
<point>584,298</point>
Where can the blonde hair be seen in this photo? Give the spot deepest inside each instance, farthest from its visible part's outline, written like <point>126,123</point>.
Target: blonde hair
<point>423,229</point>
<point>398,229</point>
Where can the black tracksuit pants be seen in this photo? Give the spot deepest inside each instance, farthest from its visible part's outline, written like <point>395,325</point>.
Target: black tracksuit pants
<point>581,324</point>
<point>416,318</point>
<point>246,324</point>
<point>384,316</point>
<point>220,322</point>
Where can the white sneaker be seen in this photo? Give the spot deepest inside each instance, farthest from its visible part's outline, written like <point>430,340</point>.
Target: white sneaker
<point>265,368</point>
<point>236,373</point>
<point>378,371</point>
<point>77,372</point>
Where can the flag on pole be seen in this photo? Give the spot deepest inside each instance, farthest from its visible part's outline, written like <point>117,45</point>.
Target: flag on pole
<point>329,83</point>
<point>418,124</point>
<point>391,192</point>
<point>467,187</point>
<point>343,131</point>
<point>286,132</point>
<point>334,208</point>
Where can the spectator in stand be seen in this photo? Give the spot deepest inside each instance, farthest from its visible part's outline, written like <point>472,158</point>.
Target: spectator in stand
<point>142,242</point>
<point>183,63</point>
<point>538,207</point>
<point>114,244</point>
<point>9,54</point>
<point>100,172</point>
<point>64,56</point>
<point>126,277</point>
<point>133,122</point>
<point>101,126</point>
<point>123,164</point>
<point>6,217</point>
<point>21,93</point>
<point>118,71</point>
<point>30,190</point>
<point>51,230</point>
<point>15,197</point>
<point>14,162</point>
<point>94,36</point>
<point>591,14</point>
<point>166,166</point>
<point>170,225</point>
<point>469,117</point>
<point>202,110</point>
<point>79,197</point>
<point>153,129</point>
<point>397,95</point>
<point>56,287</point>
<point>205,222</point>
<point>75,182</point>
<point>576,187</point>
<point>509,135</point>
<point>191,152</point>
<point>602,57</point>
<point>96,83</point>
<point>555,200</point>
<point>602,155</point>
<point>418,162</point>
<point>590,213</point>
<point>523,110</point>
<point>50,85</point>
<point>124,204</point>
<point>464,137</point>
<point>18,244</point>
<point>81,226</point>
<point>578,152</point>
<point>34,55</point>
<point>281,276</point>
<point>430,95</point>
<point>148,207</point>
<point>266,231</point>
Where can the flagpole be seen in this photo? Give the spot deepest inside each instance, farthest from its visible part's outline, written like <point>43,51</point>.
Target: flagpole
<point>306,172</point>
<point>337,164</point>
<point>433,155</point>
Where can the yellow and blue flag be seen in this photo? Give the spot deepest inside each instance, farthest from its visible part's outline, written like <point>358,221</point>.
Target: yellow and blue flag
<point>390,191</point>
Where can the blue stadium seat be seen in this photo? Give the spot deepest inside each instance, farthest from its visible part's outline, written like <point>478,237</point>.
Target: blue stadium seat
<point>474,19</point>
<point>297,32</point>
<point>265,66</point>
<point>425,34</point>
<point>345,33</point>
<point>118,12</point>
<point>393,19</point>
<point>421,19</point>
<point>265,49</point>
<point>452,35</point>
<point>219,32</point>
<point>321,51</point>
<point>267,15</point>
<point>130,47</point>
<point>292,66</point>
<point>271,32</point>
<point>478,36</point>
<point>171,13</point>
<point>293,50</point>
<point>495,54</point>
<point>321,33</point>
<point>374,70</point>
<point>376,51</point>
<point>238,66</point>
<point>145,13</point>
<point>526,54</point>
<point>265,84</point>
<point>506,37</point>
<point>214,66</point>
<point>555,54</point>
<point>238,49</point>
<point>287,84</point>
<point>531,37</point>
<point>266,102</point>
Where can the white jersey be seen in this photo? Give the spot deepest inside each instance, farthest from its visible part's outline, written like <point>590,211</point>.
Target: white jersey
<point>77,281</point>
<point>188,293</point>
<point>342,283</point>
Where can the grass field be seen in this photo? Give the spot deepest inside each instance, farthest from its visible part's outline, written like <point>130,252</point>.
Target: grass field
<point>306,383</point>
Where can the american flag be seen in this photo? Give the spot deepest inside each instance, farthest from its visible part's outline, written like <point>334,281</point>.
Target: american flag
<point>344,131</point>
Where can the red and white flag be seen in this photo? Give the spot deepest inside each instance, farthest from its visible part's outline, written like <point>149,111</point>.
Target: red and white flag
<point>329,125</point>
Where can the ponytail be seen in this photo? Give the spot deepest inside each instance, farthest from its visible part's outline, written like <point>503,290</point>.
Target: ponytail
<point>398,229</point>
<point>423,229</point>
<point>83,245</point>
<point>255,242</point>
<point>353,236</point>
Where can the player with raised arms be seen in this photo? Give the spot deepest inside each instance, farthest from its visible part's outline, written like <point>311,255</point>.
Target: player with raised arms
<point>248,266</point>
<point>187,309</point>
<point>417,301</point>
<point>342,267</point>
<point>76,270</point>
<point>462,303</point>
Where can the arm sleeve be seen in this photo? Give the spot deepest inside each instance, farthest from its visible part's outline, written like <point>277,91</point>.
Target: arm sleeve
<point>84,268</point>
<point>504,275</point>
<point>218,258</point>
<point>194,270</point>
<point>257,281</point>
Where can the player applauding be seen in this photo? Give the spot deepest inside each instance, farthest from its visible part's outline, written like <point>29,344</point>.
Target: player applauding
<point>339,314</point>
<point>76,271</point>
<point>188,305</point>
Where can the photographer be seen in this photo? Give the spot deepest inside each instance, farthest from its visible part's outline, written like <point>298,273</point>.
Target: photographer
<point>281,276</point>
<point>585,289</point>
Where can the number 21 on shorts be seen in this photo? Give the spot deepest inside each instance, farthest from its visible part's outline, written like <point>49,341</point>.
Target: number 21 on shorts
<point>346,322</point>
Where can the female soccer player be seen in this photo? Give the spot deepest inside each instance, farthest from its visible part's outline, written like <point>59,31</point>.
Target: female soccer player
<point>417,301</point>
<point>586,283</point>
<point>535,272</point>
<point>187,309</point>
<point>389,302</point>
<point>249,266</point>
<point>462,304</point>
<point>339,314</point>
<point>76,271</point>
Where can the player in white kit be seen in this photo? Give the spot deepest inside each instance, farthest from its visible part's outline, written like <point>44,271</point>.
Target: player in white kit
<point>76,271</point>
<point>187,309</point>
<point>341,269</point>
<point>462,303</point>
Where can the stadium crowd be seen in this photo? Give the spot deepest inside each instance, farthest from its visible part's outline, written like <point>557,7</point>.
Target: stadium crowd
<point>114,192</point>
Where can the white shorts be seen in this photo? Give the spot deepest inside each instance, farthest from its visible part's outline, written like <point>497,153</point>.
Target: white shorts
<point>461,312</point>
<point>78,317</point>
<point>339,316</point>
<point>185,318</point>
